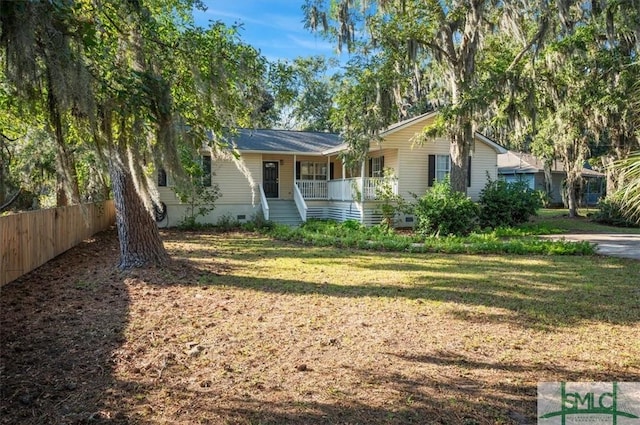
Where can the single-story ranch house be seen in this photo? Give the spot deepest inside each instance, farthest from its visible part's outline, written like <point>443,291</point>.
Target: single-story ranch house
<point>290,176</point>
<point>519,166</point>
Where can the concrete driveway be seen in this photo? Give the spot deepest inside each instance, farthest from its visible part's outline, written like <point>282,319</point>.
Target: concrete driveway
<point>624,245</point>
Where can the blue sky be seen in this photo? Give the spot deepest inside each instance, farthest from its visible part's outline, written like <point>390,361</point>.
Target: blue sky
<point>272,26</point>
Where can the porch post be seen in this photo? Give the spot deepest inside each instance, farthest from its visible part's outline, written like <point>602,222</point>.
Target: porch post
<point>328,167</point>
<point>294,168</point>
<point>362,170</point>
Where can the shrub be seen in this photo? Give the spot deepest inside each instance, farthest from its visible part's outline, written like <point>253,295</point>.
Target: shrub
<point>444,211</point>
<point>507,204</point>
<point>610,212</point>
<point>258,222</point>
<point>391,204</point>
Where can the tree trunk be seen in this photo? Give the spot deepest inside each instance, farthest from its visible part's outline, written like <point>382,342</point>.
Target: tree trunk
<point>140,243</point>
<point>572,201</point>
<point>2,185</point>
<point>68,192</point>
<point>573,156</point>
<point>461,142</point>
<point>548,179</point>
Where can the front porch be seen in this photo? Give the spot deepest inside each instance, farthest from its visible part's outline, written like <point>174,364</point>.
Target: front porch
<point>349,189</point>
<point>323,186</point>
<point>340,200</point>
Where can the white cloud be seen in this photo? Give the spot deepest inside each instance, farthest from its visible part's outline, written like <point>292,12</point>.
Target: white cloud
<point>311,43</point>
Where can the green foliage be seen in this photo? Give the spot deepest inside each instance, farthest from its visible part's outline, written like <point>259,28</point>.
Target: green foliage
<point>351,234</point>
<point>443,211</point>
<point>507,204</point>
<point>391,204</point>
<point>303,93</point>
<point>629,194</point>
<point>198,195</point>
<point>611,211</point>
<point>227,222</point>
<point>258,222</point>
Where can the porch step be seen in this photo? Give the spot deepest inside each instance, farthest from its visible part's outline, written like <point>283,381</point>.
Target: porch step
<point>284,212</point>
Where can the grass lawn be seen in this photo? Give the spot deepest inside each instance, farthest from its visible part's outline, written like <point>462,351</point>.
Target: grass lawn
<point>242,329</point>
<point>558,219</point>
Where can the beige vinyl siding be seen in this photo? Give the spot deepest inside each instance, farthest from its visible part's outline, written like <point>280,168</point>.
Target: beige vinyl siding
<point>390,158</point>
<point>239,198</point>
<point>413,158</point>
<point>414,172</point>
<point>484,160</point>
<point>236,187</point>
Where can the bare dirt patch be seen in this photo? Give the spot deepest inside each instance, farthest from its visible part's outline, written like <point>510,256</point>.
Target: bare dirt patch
<point>243,330</point>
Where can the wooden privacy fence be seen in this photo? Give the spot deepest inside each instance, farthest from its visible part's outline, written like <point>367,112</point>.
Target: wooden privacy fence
<point>32,238</point>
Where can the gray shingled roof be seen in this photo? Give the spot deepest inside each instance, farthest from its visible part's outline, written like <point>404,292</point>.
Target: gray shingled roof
<point>519,162</point>
<point>284,141</point>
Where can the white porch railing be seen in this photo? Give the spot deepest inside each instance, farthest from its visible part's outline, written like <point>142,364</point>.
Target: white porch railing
<point>373,185</point>
<point>313,189</point>
<point>264,203</point>
<point>345,189</point>
<point>300,203</point>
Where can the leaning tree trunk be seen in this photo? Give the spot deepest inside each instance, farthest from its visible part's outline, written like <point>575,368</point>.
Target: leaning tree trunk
<point>140,243</point>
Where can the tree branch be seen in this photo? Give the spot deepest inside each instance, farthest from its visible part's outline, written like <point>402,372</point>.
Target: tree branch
<point>544,22</point>
<point>10,201</point>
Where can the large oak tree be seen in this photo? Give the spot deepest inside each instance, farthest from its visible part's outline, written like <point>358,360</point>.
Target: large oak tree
<point>416,38</point>
<point>142,78</point>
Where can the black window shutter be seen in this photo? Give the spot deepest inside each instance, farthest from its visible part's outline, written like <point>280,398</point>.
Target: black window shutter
<point>469,173</point>
<point>432,170</point>
<point>382,166</point>
<point>162,177</point>
<point>370,167</point>
<point>331,170</point>
<point>297,170</point>
<point>206,170</point>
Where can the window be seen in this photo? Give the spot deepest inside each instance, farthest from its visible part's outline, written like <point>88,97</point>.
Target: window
<point>206,170</point>
<point>443,167</point>
<point>162,177</point>
<point>312,171</point>
<point>376,167</point>
<point>440,168</point>
<point>529,179</point>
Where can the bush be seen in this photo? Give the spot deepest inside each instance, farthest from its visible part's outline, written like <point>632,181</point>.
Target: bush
<point>507,204</point>
<point>610,212</point>
<point>258,222</point>
<point>227,222</point>
<point>443,211</point>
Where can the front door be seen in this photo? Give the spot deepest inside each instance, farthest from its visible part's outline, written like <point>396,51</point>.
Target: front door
<point>270,179</point>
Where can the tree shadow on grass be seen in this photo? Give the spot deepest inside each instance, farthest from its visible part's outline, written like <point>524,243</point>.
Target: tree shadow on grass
<point>530,306</point>
<point>62,325</point>
<point>542,291</point>
<point>433,396</point>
